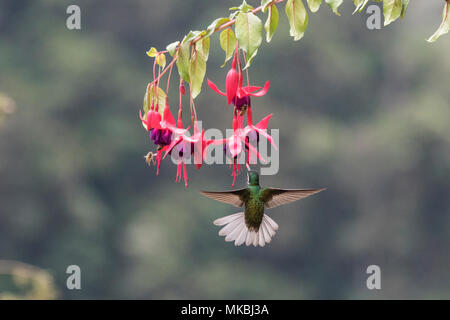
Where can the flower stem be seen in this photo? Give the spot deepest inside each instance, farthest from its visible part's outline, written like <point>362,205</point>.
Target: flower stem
<point>198,38</point>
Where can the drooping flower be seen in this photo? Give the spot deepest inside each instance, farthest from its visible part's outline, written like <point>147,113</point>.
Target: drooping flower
<point>153,120</point>
<point>235,92</point>
<point>241,97</point>
<point>260,128</point>
<point>253,133</point>
<point>239,142</point>
<point>161,129</point>
<point>232,81</point>
<point>183,151</point>
<point>184,146</point>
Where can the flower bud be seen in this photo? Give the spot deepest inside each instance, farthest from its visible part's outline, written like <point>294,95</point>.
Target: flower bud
<point>232,81</point>
<point>182,89</point>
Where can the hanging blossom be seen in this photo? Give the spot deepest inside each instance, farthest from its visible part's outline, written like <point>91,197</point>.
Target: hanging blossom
<point>161,129</point>
<point>185,146</point>
<point>235,92</point>
<point>239,142</point>
<point>172,139</point>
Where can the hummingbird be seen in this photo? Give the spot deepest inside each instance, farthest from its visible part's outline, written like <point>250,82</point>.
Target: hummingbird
<point>253,226</point>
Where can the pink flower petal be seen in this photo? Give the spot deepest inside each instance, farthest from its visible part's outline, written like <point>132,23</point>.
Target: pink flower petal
<point>262,92</point>
<point>214,87</point>
<point>218,142</point>
<point>176,130</point>
<point>178,177</point>
<point>249,116</point>
<point>250,89</point>
<point>155,119</point>
<point>172,145</point>
<point>264,122</point>
<point>168,117</point>
<point>185,175</point>
<point>232,81</point>
<point>158,157</point>
<point>254,151</point>
<point>267,136</point>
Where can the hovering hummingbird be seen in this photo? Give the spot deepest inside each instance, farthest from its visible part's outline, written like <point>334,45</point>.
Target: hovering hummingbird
<point>253,226</point>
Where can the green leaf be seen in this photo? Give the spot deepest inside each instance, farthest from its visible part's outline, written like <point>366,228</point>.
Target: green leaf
<point>244,7</point>
<point>271,23</point>
<point>216,24</point>
<point>161,60</point>
<point>359,4</point>
<point>445,25</point>
<point>265,4</point>
<point>197,71</point>
<point>249,34</point>
<point>405,4</point>
<point>228,44</point>
<point>183,61</point>
<point>392,9</point>
<point>202,47</point>
<point>161,99</point>
<point>234,14</point>
<point>152,52</point>
<point>172,47</point>
<point>334,5</point>
<point>314,5</point>
<point>192,35</point>
<point>298,18</point>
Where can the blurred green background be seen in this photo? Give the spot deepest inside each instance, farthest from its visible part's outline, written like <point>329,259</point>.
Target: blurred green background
<point>364,113</point>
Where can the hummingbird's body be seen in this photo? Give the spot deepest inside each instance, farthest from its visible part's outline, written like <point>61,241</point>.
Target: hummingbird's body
<point>254,208</point>
<point>253,226</point>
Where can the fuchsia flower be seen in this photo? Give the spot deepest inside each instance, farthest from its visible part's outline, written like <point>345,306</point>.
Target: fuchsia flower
<point>185,146</point>
<point>161,129</point>
<point>171,138</point>
<point>234,144</point>
<point>240,97</point>
<point>260,128</point>
<point>155,121</point>
<point>235,92</point>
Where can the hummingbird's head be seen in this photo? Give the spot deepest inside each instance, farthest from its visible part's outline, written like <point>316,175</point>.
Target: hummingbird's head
<point>253,178</point>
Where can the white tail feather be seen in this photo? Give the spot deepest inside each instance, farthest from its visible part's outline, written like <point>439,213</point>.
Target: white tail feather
<point>272,223</point>
<point>249,239</point>
<point>232,236</point>
<point>227,219</point>
<point>254,239</point>
<point>229,227</point>
<point>235,229</point>
<point>262,241</point>
<point>268,227</point>
<point>241,239</point>
<point>267,237</point>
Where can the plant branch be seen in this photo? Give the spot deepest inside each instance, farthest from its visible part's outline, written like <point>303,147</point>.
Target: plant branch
<point>233,21</point>
<point>198,38</point>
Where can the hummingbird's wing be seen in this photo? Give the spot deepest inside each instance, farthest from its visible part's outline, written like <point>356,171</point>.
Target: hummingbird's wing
<point>276,197</point>
<point>234,197</point>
